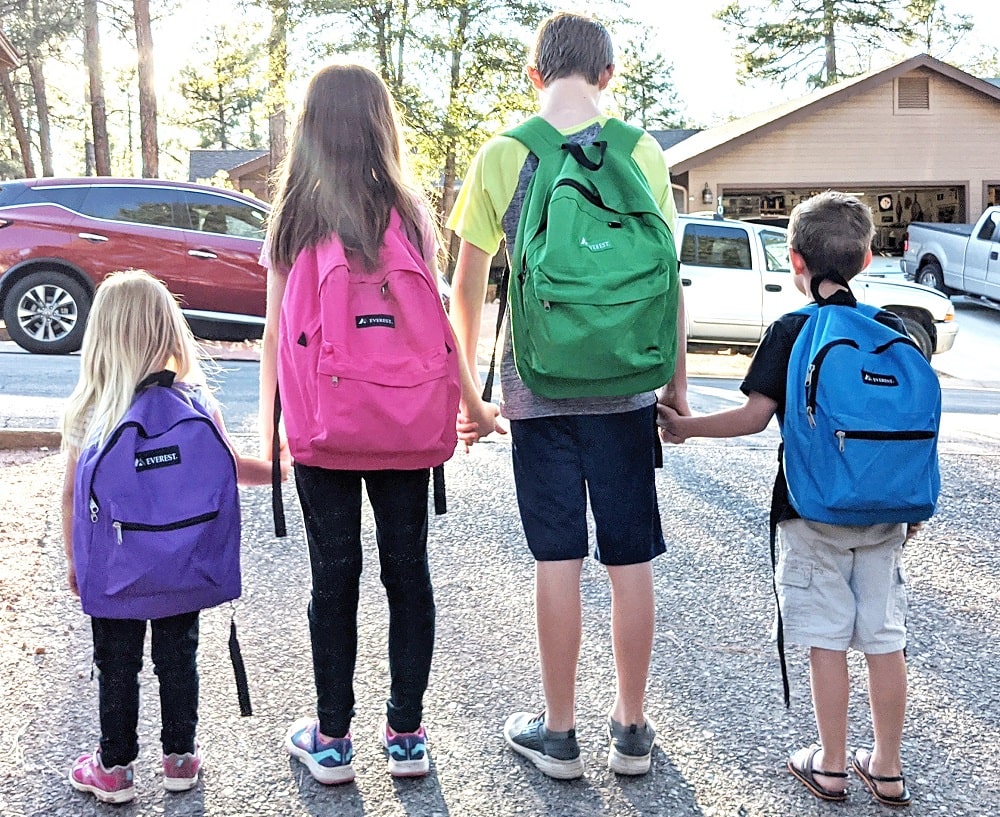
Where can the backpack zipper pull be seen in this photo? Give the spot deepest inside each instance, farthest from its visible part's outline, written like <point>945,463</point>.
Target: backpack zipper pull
<point>809,374</point>
<point>841,435</point>
<point>118,530</point>
<point>546,306</point>
<point>93,510</point>
<point>810,417</point>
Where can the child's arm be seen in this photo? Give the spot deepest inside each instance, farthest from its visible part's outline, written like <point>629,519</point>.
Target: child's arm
<point>253,470</point>
<point>750,418</point>
<point>476,418</point>
<point>69,479</point>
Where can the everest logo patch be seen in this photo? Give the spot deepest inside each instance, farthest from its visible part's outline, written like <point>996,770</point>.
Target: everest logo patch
<point>599,246</point>
<point>367,321</point>
<point>873,379</point>
<point>157,458</point>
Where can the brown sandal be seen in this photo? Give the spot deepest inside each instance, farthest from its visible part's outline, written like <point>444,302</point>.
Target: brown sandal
<point>806,776</point>
<point>872,781</point>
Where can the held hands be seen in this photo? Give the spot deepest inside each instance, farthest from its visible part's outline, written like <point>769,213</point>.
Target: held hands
<point>671,407</point>
<point>669,423</point>
<point>477,421</point>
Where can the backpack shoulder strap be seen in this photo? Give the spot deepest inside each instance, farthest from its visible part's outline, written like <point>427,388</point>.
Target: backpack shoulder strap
<point>620,136</point>
<point>538,136</point>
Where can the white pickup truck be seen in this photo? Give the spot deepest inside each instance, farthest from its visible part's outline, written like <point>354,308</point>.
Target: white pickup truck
<point>737,280</point>
<point>957,259</point>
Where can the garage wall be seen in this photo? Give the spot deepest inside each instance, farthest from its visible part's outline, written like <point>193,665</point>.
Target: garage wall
<point>861,140</point>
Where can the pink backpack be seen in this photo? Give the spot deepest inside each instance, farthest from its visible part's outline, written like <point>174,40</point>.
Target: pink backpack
<point>367,366</point>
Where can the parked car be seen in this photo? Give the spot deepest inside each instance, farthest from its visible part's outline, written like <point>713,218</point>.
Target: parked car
<point>60,237</point>
<point>889,267</point>
<point>737,280</point>
<point>961,259</point>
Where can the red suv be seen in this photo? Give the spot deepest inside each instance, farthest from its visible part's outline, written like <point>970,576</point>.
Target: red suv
<point>60,237</point>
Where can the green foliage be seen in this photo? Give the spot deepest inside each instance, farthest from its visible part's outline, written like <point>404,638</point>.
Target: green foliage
<point>643,88</point>
<point>222,86</point>
<point>783,40</point>
<point>825,41</point>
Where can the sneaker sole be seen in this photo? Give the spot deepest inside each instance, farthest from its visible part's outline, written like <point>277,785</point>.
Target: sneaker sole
<point>180,783</point>
<point>409,768</point>
<point>322,774</point>
<point>553,767</point>
<point>628,764</point>
<point>120,796</point>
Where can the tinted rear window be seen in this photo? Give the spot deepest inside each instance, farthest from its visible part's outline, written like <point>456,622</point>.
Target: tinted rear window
<point>10,193</point>
<point>714,246</point>
<point>68,197</point>
<point>139,205</point>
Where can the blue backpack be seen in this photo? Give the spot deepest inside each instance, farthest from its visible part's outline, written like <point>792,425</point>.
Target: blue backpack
<point>156,517</point>
<point>862,413</point>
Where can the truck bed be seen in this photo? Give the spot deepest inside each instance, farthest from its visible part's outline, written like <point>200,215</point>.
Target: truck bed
<point>954,229</point>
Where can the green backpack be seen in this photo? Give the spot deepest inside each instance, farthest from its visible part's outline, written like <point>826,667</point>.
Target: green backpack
<point>594,291</point>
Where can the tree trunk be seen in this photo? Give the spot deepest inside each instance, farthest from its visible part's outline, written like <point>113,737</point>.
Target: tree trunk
<point>42,112</point>
<point>98,111</point>
<point>454,85</point>
<point>147,91</point>
<point>17,118</point>
<point>276,81</point>
<point>830,43</point>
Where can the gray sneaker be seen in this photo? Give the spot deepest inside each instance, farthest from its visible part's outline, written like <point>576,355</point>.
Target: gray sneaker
<point>631,747</point>
<point>555,754</point>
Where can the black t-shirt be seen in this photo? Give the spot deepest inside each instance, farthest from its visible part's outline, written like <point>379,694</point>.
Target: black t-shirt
<point>768,371</point>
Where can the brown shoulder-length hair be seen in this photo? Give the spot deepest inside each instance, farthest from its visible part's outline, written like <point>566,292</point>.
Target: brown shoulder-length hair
<point>345,169</point>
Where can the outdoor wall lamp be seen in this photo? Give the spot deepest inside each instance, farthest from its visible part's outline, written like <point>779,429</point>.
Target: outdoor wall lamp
<point>707,196</point>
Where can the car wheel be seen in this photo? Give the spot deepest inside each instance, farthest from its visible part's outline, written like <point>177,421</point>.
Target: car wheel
<point>46,313</point>
<point>919,336</point>
<point>930,275</point>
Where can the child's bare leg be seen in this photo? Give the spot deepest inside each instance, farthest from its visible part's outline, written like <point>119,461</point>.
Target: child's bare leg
<point>558,618</point>
<point>887,695</point>
<point>830,691</point>
<point>632,615</point>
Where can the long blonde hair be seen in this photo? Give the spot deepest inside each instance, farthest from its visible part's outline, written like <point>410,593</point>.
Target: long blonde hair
<point>135,329</point>
<point>345,169</point>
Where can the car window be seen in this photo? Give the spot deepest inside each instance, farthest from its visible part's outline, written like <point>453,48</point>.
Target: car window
<point>139,205</point>
<point>709,245</point>
<point>989,229</point>
<point>68,197</point>
<point>776,251</point>
<point>225,216</point>
<point>10,192</point>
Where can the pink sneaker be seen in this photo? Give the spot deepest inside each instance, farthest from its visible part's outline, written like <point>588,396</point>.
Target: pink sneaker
<point>180,771</point>
<point>114,785</point>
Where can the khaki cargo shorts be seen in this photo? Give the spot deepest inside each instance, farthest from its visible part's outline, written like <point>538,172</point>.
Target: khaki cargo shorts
<point>842,586</point>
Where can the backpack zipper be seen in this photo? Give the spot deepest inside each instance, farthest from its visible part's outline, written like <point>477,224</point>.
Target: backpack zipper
<point>120,526</point>
<point>812,375</point>
<point>881,435</point>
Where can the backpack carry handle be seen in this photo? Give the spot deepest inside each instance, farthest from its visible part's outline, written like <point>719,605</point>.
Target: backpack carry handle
<point>582,159</point>
<point>833,278</point>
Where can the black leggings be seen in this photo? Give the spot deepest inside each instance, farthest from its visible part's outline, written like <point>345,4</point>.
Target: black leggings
<point>331,504</point>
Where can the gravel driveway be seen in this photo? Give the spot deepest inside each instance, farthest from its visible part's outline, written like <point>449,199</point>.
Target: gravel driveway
<point>714,690</point>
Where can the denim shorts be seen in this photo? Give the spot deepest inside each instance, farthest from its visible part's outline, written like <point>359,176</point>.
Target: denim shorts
<point>560,461</point>
<point>842,586</point>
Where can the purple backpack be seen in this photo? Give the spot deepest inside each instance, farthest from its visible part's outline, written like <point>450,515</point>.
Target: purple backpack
<point>156,516</point>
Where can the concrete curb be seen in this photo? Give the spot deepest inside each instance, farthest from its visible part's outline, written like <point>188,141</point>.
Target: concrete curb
<point>29,438</point>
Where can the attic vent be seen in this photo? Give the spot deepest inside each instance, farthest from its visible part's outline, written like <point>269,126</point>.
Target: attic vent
<point>913,93</point>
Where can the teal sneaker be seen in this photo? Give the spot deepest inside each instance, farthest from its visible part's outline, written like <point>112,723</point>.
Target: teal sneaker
<point>328,761</point>
<point>407,751</point>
